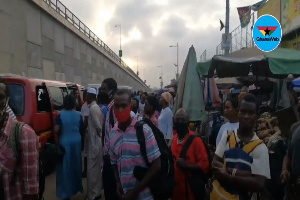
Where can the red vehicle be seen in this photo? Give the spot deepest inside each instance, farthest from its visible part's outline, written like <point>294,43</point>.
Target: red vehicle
<point>36,102</point>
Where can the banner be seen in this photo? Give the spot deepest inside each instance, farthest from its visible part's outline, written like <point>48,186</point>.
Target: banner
<point>257,5</point>
<point>244,15</point>
<point>290,15</point>
<point>272,7</point>
<point>226,42</point>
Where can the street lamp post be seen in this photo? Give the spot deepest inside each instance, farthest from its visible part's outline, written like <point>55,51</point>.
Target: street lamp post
<point>120,51</point>
<point>177,74</point>
<point>137,65</point>
<point>161,77</point>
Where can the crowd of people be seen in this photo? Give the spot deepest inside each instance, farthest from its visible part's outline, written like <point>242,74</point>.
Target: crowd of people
<point>105,133</point>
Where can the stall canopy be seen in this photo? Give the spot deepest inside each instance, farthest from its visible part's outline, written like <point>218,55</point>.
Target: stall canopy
<point>278,63</point>
<point>203,68</point>
<point>190,91</point>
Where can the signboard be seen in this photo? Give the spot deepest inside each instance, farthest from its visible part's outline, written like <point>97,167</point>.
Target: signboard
<point>226,43</point>
<point>272,7</point>
<point>290,15</point>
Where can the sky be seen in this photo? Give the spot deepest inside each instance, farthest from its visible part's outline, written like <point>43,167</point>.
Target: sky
<point>149,27</point>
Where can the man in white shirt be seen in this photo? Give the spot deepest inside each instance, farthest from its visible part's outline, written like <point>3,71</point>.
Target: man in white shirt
<point>231,112</point>
<point>165,119</point>
<point>142,103</point>
<point>253,182</point>
<point>85,112</point>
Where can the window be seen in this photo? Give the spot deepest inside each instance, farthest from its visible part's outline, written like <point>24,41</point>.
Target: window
<point>57,95</point>
<point>43,100</point>
<point>16,100</point>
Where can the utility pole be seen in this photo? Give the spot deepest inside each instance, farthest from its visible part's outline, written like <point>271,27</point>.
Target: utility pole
<point>120,51</point>
<point>227,46</point>
<point>177,46</point>
<point>161,77</point>
<point>137,65</point>
<point>177,63</point>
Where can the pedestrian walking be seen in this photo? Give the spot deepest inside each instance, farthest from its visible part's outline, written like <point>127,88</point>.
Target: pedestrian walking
<point>69,128</point>
<point>95,150</point>
<point>165,119</point>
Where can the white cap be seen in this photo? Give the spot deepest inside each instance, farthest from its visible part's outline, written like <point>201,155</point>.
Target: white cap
<point>92,91</point>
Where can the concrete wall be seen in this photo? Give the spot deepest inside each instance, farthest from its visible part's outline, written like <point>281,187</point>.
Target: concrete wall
<point>38,42</point>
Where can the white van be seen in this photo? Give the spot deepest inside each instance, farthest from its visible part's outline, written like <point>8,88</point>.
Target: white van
<point>95,86</point>
<point>125,87</point>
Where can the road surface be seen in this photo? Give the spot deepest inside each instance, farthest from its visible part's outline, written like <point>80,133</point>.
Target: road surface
<point>50,189</point>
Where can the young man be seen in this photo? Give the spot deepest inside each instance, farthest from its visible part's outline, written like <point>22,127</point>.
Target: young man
<point>196,157</point>
<point>248,182</point>
<point>23,185</point>
<point>95,150</point>
<point>125,152</point>
<point>142,103</point>
<point>109,86</point>
<point>231,112</point>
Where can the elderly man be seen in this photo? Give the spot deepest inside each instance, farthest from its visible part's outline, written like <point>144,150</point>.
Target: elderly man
<point>19,175</point>
<point>194,161</point>
<point>95,151</point>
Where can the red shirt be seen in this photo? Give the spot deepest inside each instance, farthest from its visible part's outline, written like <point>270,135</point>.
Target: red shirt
<point>196,154</point>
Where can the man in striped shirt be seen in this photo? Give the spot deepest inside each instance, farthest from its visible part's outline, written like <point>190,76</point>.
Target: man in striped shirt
<point>125,152</point>
<point>108,86</point>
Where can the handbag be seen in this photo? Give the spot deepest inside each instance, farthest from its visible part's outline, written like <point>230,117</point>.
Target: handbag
<point>54,152</point>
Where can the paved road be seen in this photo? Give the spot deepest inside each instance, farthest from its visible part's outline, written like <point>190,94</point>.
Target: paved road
<point>50,191</point>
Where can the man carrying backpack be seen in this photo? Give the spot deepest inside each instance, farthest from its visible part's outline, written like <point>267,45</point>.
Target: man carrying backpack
<point>241,162</point>
<point>192,163</point>
<point>125,154</point>
<point>19,156</point>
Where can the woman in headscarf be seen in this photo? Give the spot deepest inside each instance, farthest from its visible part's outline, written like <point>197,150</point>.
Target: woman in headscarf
<point>165,120</point>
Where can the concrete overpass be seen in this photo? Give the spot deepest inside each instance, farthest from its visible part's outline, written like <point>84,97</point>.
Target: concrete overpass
<point>44,39</point>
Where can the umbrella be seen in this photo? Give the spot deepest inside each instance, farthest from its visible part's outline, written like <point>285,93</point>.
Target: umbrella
<point>278,63</point>
<point>190,92</point>
<point>296,82</point>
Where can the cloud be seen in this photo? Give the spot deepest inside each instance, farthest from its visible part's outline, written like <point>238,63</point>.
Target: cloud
<point>149,27</point>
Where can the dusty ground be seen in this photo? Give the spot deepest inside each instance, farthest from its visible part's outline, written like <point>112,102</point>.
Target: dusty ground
<point>50,189</point>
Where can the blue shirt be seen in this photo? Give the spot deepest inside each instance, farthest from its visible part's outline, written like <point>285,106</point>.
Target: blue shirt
<point>103,108</point>
<point>165,123</point>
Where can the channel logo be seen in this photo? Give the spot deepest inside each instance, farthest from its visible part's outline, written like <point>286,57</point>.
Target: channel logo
<point>267,33</point>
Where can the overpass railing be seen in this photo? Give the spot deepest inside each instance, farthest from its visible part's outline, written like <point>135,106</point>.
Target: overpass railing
<point>69,16</point>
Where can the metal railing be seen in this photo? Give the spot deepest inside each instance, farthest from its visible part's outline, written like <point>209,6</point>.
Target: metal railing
<point>69,16</point>
<point>240,38</point>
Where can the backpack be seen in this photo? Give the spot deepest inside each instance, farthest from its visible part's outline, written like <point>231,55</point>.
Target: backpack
<point>163,185</point>
<point>198,179</point>
<point>217,123</point>
<point>235,157</point>
<point>14,138</point>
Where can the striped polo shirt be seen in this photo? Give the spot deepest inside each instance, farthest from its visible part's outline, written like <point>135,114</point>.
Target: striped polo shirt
<point>125,153</point>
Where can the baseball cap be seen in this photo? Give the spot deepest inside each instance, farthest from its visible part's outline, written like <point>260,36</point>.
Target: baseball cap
<point>92,91</point>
